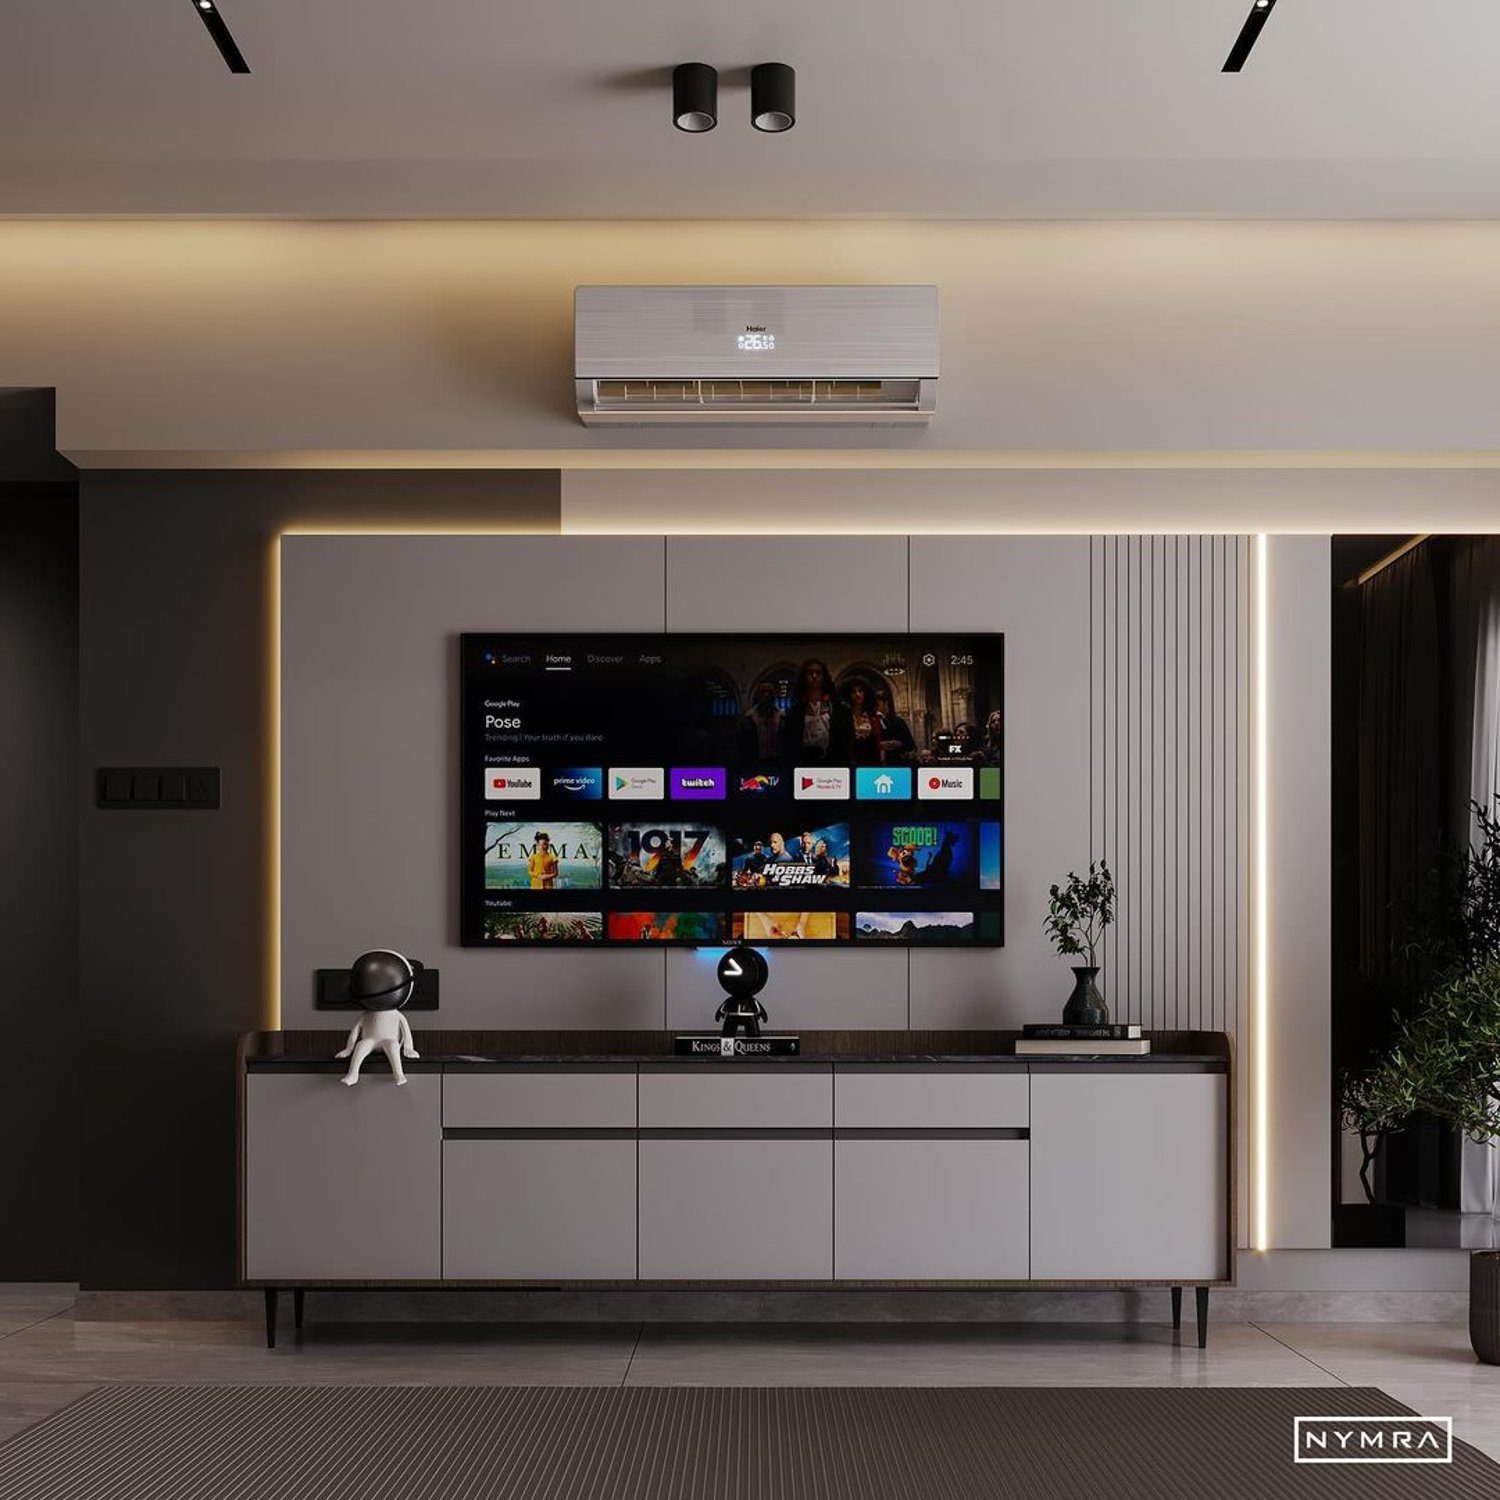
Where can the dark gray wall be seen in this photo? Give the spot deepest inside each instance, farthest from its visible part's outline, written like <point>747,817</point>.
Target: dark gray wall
<point>39,876</point>
<point>173,632</point>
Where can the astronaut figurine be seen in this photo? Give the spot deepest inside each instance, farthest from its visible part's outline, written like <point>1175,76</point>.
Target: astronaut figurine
<point>382,982</point>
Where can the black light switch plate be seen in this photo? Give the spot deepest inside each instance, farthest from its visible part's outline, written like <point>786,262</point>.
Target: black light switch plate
<point>333,991</point>
<point>195,788</point>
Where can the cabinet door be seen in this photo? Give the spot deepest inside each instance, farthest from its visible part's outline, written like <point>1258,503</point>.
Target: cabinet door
<point>736,1209</point>
<point>930,1209</point>
<point>1129,1175</point>
<point>343,1183</point>
<point>540,1209</point>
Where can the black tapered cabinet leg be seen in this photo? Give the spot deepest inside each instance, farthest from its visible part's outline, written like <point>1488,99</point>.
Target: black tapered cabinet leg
<point>271,1317</point>
<point>1202,1292</point>
<point>298,1296</point>
<point>1176,1307</point>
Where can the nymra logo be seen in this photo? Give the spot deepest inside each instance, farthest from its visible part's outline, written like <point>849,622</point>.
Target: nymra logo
<point>1372,1440</point>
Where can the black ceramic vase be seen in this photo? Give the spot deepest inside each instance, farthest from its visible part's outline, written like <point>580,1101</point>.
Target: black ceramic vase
<point>1484,1305</point>
<point>1085,1005</point>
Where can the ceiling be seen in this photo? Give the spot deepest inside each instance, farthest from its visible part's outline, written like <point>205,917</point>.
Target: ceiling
<point>964,108</point>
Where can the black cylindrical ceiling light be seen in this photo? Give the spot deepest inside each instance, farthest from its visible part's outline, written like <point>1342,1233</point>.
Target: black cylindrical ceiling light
<point>695,97</point>
<point>773,97</point>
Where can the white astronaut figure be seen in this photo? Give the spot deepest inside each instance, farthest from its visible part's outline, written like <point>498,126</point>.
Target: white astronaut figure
<point>382,982</point>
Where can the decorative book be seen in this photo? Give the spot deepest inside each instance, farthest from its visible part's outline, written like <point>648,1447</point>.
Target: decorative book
<point>1051,1047</point>
<point>711,1044</point>
<point>1113,1032</point>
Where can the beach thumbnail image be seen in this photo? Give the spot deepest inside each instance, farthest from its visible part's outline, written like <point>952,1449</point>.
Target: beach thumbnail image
<point>681,855</point>
<point>914,926</point>
<point>990,859</point>
<point>543,926</point>
<point>785,855</point>
<point>666,926</point>
<point>543,856</point>
<point>916,855</point>
<point>789,926</point>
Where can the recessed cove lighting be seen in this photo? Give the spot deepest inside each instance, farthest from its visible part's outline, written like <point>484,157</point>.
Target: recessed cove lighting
<point>773,97</point>
<point>218,29</point>
<point>695,97</point>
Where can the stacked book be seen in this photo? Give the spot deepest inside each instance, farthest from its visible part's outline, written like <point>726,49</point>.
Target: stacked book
<point>1124,1040</point>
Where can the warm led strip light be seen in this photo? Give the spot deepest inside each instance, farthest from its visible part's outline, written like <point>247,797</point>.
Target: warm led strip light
<point>1260,1173</point>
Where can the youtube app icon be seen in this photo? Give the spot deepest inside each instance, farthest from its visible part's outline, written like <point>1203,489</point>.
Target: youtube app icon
<point>512,784</point>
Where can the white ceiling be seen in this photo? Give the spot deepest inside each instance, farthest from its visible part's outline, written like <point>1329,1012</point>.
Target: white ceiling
<point>967,108</point>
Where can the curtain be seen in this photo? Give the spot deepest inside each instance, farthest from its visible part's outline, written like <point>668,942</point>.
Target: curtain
<point>1476,638</point>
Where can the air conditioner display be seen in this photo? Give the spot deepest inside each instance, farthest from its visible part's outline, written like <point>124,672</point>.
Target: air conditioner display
<point>765,788</point>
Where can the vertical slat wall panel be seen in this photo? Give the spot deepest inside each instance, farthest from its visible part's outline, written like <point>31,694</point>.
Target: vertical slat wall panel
<point>1169,773</point>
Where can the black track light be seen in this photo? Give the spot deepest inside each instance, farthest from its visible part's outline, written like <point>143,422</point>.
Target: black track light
<point>695,97</point>
<point>773,97</point>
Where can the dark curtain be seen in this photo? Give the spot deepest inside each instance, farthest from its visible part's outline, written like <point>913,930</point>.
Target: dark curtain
<point>1402,762</point>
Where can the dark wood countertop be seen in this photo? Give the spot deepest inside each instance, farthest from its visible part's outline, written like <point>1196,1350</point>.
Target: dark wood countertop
<point>487,1049</point>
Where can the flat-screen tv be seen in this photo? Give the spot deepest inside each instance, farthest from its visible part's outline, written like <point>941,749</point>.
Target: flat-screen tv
<point>715,789</point>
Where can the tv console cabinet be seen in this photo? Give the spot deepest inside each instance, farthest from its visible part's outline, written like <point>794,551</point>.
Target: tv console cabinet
<point>873,1159</point>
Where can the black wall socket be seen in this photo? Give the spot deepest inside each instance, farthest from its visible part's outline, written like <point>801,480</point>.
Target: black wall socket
<point>159,787</point>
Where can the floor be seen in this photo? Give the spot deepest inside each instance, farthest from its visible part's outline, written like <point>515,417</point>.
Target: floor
<point>47,1358</point>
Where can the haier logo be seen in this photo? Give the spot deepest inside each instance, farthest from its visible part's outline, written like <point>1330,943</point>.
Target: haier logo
<point>883,783</point>
<point>950,784</point>
<point>512,783</point>
<point>637,783</point>
<point>814,784</point>
<point>583,783</point>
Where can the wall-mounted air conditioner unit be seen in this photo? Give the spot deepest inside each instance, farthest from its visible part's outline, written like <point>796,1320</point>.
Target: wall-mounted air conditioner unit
<point>755,353</point>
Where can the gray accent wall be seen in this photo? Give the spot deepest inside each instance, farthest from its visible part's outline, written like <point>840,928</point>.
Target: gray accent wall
<point>174,627</point>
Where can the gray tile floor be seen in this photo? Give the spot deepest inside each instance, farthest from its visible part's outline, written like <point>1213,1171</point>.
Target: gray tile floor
<point>47,1357</point>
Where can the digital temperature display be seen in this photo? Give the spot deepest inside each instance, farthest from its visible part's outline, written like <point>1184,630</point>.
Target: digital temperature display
<point>756,343</point>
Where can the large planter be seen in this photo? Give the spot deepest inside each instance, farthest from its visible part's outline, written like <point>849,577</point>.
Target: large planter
<point>1484,1305</point>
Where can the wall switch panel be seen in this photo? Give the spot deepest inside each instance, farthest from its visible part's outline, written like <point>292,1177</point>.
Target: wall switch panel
<point>195,788</point>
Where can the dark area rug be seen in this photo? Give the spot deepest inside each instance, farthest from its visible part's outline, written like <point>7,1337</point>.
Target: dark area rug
<point>662,1443</point>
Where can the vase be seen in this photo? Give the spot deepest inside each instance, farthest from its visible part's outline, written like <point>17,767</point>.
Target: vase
<point>1484,1305</point>
<point>1085,1005</point>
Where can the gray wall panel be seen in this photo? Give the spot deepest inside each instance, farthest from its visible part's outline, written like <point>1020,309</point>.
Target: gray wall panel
<point>1035,589</point>
<point>370,628</point>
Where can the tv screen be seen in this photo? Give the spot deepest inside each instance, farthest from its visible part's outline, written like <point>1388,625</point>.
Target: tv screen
<point>713,789</point>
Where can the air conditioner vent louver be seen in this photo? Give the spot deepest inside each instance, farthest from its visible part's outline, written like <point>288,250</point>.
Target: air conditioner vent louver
<point>747,354</point>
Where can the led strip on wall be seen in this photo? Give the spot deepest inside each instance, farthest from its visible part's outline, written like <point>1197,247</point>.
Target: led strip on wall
<point>1260,1238</point>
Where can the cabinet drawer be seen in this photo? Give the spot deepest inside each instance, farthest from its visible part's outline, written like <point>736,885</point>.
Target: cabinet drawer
<point>930,1209</point>
<point>757,1097</point>
<point>958,1097</point>
<point>540,1099</point>
<point>734,1210</point>
<point>539,1210</point>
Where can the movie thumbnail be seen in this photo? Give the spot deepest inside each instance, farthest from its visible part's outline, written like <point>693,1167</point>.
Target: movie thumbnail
<point>543,926</point>
<point>685,854</point>
<point>911,855</point>
<point>789,926</point>
<point>666,926</point>
<point>989,857</point>
<point>915,926</point>
<point>543,856</point>
<point>787,856</point>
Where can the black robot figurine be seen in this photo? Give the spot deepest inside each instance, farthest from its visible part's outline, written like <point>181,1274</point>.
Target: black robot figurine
<point>743,973</point>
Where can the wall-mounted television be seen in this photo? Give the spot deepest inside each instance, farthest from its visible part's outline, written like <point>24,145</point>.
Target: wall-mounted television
<point>713,789</point>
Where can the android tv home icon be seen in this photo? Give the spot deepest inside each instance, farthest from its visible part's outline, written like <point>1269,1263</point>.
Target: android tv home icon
<point>883,783</point>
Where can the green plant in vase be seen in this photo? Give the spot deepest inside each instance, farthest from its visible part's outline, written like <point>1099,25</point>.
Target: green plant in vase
<point>1078,911</point>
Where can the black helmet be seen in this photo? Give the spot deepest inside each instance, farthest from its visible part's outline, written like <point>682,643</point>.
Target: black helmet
<point>382,980</point>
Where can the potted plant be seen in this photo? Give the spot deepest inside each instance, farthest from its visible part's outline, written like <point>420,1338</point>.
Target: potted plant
<point>1444,1062</point>
<point>1078,911</point>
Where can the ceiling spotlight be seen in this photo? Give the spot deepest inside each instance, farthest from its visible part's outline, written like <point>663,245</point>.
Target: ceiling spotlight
<point>218,28</point>
<point>1244,44</point>
<point>773,97</point>
<point>695,97</point>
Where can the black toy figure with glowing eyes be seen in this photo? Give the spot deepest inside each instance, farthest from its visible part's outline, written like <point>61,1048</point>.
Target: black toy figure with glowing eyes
<point>743,972</point>
<point>382,982</point>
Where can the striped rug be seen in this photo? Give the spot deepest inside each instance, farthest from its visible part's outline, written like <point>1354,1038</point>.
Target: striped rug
<point>270,1442</point>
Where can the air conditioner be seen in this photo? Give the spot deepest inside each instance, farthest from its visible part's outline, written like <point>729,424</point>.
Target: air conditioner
<point>755,353</point>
